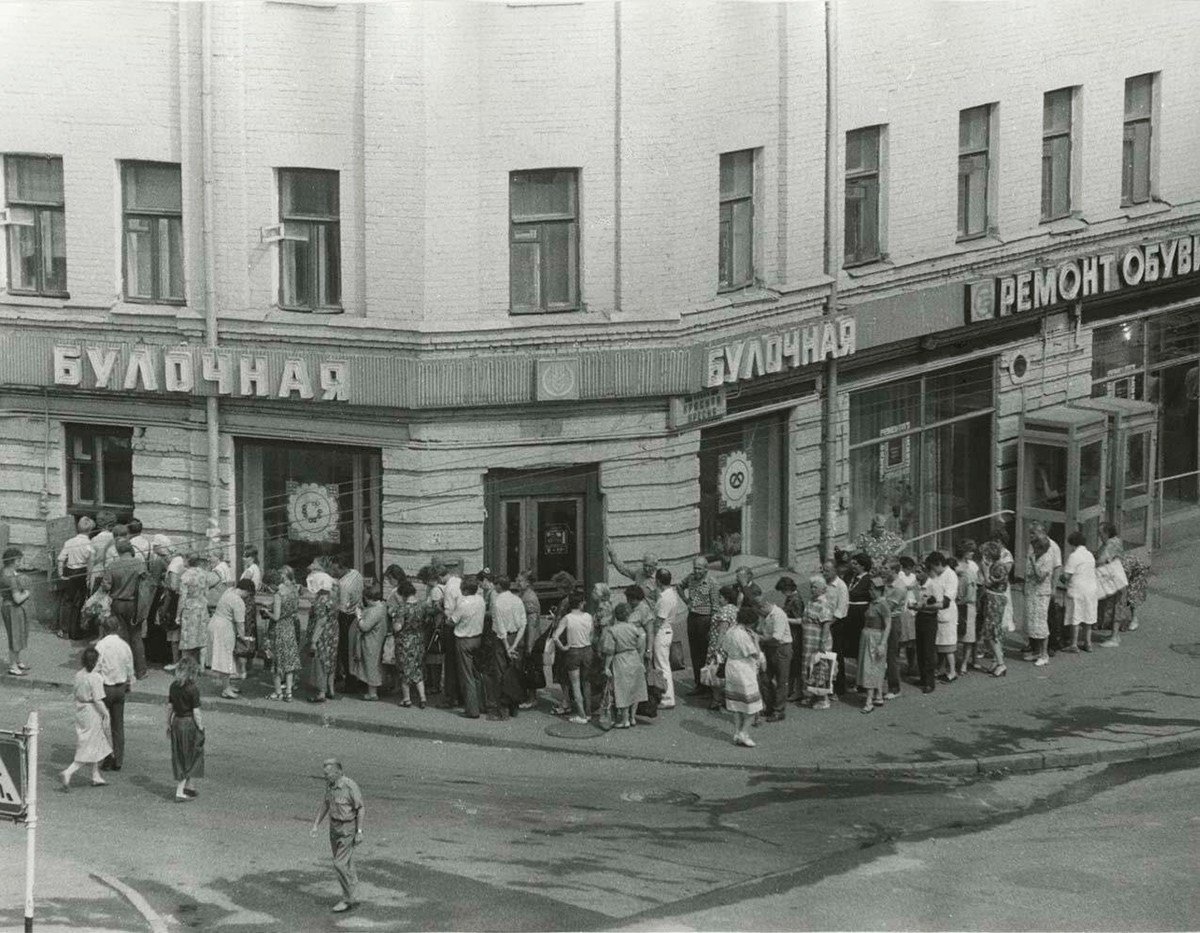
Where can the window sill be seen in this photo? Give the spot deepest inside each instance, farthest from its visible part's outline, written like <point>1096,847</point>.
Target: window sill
<point>1149,209</point>
<point>883,264</point>
<point>148,308</point>
<point>36,301</point>
<point>983,241</point>
<point>544,312</point>
<point>314,312</point>
<point>1064,226</point>
<point>740,297</point>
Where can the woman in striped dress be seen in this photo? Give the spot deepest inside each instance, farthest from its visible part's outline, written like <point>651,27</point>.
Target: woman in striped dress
<point>743,660</point>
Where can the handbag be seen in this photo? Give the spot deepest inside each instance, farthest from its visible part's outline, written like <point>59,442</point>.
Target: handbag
<point>389,649</point>
<point>709,676</point>
<point>243,646</point>
<point>656,679</point>
<point>821,675</point>
<point>677,661</point>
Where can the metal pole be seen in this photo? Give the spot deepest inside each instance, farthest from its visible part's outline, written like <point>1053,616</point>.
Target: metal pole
<point>212,407</point>
<point>832,253</point>
<point>31,738</point>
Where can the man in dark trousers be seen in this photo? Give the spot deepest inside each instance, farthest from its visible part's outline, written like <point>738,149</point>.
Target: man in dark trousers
<point>343,804</point>
<point>858,581</point>
<point>701,593</point>
<point>123,579</point>
<point>115,665</point>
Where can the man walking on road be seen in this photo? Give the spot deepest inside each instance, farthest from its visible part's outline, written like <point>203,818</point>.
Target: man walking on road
<point>343,804</point>
<point>123,580</point>
<point>115,666</point>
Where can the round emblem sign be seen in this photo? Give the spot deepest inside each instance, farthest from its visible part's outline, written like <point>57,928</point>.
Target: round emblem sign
<point>310,512</point>
<point>735,479</point>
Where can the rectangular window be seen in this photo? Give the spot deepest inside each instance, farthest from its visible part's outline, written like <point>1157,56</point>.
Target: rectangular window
<point>1135,149</point>
<point>543,258</point>
<point>735,266</point>
<point>310,255</point>
<point>862,240</point>
<point>99,470</point>
<point>974,170</point>
<point>1056,153</point>
<point>152,197</point>
<point>300,502</point>
<point>36,228</point>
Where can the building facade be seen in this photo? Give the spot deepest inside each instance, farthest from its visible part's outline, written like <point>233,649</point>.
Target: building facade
<point>503,282</point>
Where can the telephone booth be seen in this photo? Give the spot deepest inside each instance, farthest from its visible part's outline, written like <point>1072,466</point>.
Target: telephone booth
<point>1061,475</point>
<point>1132,454</point>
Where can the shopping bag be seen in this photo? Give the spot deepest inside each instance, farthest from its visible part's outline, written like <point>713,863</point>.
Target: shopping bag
<point>709,676</point>
<point>389,649</point>
<point>820,677</point>
<point>656,679</point>
<point>677,661</point>
<point>1111,578</point>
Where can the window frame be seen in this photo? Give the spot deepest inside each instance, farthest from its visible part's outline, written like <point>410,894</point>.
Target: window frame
<point>731,201</point>
<point>856,177</point>
<point>312,225</point>
<point>153,215</point>
<point>1128,194</point>
<point>39,210</point>
<point>96,434</point>
<point>968,154</point>
<point>534,227</point>
<point>1048,138</point>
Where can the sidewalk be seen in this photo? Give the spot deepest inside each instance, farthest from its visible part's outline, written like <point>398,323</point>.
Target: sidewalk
<point>1131,702</point>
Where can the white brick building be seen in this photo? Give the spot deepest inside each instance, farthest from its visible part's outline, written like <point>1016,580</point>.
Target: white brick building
<point>473,429</point>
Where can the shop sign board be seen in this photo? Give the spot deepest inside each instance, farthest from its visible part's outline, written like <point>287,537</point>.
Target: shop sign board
<point>775,351</point>
<point>736,475</point>
<point>693,410</point>
<point>13,775</point>
<point>895,453</point>
<point>1083,277</point>
<point>186,370</point>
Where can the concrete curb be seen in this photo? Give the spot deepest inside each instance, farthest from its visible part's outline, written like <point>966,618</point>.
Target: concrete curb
<point>1016,763</point>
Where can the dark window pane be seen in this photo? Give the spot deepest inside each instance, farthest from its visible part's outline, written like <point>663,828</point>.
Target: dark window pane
<point>329,264</point>
<point>139,257</point>
<point>743,245</point>
<point>84,482</point>
<point>958,391</point>
<point>310,193</point>
<point>1138,96</point>
<point>170,258</point>
<point>549,192</point>
<point>1056,176</point>
<point>1174,336</point>
<point>1117,349</point>
<point>54,251</point>
<point>972,195</point>
<point>973,128</point>
<point>1056,111</point>
<point>34,178</point>
<point>725,245</point>
<point>862,149</point>
<point>524,274</point>
<point>737,174</point>
<point>152,187</point>
<point>558,270</point>
<point>22,257</point>
<point>862,219</point>
<point>873,411</point>
<point>297,271</point>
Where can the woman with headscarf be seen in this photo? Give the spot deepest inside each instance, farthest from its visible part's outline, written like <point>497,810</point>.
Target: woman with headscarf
<point>993,604</point>
<point>743,660</point>
<point>285,631</point>
<point>92,742</point>
<point>226,627</point>
<point>407,624</point>
<point>322,635</point>
<point>1039,589</point>
<point>723,620</point>
<point>366,663</point>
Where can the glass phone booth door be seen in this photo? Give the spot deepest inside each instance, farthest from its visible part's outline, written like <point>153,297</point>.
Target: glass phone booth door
<point>1061,475</point>
<point>1132,454</point>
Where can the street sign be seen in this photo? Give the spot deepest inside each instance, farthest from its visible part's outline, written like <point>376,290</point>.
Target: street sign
<point>13,775</point>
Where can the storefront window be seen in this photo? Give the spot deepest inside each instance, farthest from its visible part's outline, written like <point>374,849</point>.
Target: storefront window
<point>100,470</point>
<point>743,476</point>
<point>298,502</point>
<point>1117,351</point>
<point>1174,336</point>
<point>921,455</point>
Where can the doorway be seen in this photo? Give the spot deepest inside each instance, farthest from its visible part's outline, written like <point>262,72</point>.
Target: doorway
<point>545,521</point>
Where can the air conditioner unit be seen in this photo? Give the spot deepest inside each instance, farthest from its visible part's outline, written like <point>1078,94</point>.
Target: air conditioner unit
<point>275,233</point>
<point>16,217</point>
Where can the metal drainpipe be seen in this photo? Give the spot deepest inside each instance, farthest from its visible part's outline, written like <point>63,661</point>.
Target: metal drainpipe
<point>212,410</point>
<point>832,252</point>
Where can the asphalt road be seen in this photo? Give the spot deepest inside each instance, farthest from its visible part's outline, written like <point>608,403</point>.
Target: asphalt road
<point>460,837</point>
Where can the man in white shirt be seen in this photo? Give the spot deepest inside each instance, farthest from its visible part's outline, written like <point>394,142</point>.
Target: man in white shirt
<point>932,601</point>
<point>73,562</point>
<point>468,618</point>
<point>776,640</point>
<point>115,667</point>
<point>1037,532</point>
<point>451,586</point>
<point>666,610</point>
<point>507,641</point>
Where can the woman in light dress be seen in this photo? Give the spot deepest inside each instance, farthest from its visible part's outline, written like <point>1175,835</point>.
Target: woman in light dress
<point>624,645</point>
<point>1111,581</point>
<point>1039,588</point>
<point>193,607</point>
<point>993,603</point>
<point>743,660</point>
<point>92,743</point>
<point>366,663</point>
<point>225,627</point>
<point>1079,574</point>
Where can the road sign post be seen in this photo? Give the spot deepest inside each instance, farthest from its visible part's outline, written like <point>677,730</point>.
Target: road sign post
<point>18,794</point>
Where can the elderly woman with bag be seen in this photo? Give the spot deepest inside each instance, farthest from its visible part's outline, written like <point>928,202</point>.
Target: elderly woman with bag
<point>1111,581</point>
<point>367,661</point>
